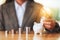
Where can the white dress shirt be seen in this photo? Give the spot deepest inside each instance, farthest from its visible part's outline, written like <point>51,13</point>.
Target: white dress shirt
<point>20,10</point>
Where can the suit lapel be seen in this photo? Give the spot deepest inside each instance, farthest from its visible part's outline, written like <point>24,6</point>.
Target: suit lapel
<point>13,16</point>
<point>28,13</point>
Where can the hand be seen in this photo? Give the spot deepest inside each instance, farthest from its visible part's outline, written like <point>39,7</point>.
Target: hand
<point>49,24</point>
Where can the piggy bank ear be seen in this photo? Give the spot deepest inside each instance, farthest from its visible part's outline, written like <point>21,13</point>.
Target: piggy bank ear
<point>35,23</point>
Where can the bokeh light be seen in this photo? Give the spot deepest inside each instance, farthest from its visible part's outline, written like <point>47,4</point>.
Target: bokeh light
<point>2,2</point>
<point>53,7</point>
<point>49,3</point>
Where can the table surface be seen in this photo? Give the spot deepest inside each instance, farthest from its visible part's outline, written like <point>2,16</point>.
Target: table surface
<point>30,36</point>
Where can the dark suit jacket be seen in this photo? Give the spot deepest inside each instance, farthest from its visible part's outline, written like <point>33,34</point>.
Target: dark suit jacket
<point>8,18</point>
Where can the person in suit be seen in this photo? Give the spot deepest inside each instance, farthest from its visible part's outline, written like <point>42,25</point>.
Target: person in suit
<point>21,13</point>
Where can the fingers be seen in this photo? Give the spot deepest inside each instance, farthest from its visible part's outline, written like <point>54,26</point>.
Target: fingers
<point>49,24</point>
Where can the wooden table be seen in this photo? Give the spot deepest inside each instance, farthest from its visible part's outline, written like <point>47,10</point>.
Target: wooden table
<point>30,36</point>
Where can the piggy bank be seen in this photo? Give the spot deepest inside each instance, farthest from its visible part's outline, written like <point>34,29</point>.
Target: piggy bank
<point>38,28</point>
